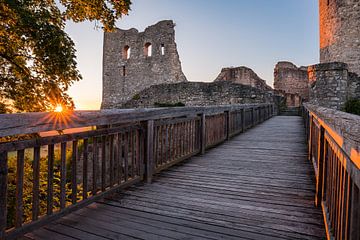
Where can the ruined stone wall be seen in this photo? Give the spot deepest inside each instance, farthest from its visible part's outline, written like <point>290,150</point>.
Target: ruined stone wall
<point>340,32</point>
<point>290,99</point>
<point>242,75</point>
<point>133,61</point>
<point>199,94</point>
<point>291,79</point>
<point>329,84</point>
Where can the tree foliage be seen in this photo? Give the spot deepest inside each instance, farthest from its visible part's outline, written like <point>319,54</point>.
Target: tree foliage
<point>37,57</point>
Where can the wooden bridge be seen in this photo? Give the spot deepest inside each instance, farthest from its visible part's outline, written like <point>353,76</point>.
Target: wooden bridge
<point>229,172</point>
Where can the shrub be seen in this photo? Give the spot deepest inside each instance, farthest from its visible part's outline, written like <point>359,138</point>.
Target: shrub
<point>136,97</point>
<point>353,106</point>
<point>178,104</point>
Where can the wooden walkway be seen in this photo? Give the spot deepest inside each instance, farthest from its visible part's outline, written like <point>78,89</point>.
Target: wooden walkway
<point>258,185</point>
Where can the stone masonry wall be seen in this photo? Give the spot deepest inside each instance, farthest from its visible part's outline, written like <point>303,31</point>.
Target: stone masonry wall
<point>329,82</point>
<point>340,32</point>
<point>133,61</point>
<point>199,94</point>
<point>242,75</point>
<point>291,79</point>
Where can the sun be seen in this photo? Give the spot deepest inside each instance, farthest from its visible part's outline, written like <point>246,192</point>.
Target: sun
<point>58,108</point>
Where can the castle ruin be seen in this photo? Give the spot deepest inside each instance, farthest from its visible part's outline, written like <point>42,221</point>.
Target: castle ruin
<point>242,75</point>
<point>340,32</point>
<point>133,61</point>
<point>288,78</point>
<point>142,68</point>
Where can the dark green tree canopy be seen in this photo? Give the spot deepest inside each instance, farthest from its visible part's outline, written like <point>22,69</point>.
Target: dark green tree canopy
<point>37,57</point>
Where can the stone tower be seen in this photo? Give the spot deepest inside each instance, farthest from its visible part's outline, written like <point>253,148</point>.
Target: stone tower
<point>340,32</point>
<point>133,61</point>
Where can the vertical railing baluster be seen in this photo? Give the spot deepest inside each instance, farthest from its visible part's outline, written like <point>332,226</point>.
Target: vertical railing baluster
<point>73,171</point>
<point>36,183</point>
<point>95,163</point>
<point>85,169</point>
<point>354,231</point>
<point>343,205</point>
<point>228,124</point>
<point>167,144</point>
<point>62,175</point>
<point>347,207</point>
<point>174,141</point>
<point>202,133</point>
<point>19,188</point>
<point>115,159</point>
<point>126,156</point>
<point>120,157</point>
<point>320,161</point>
<point>132,146</point>
<point>138,153</point>
<point>155,145</point>
<point>149,150</point>
<point>3,192</point>
<point>103,163</point>
<point>50,179</point>
<point>111,164</point>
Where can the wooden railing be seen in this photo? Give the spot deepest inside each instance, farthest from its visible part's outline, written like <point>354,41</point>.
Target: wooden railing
<point>46,177</point>
<point>334,144</point>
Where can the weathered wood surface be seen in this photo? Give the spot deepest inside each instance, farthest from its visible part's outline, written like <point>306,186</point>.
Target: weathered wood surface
<point>258,185</point>
<point>25,123</point>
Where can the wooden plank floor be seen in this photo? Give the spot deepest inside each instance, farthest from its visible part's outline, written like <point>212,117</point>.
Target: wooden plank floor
<point>259,185</point>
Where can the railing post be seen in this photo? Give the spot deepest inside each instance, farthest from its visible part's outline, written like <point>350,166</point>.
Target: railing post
<point>203,133</point>
<point>149,150</point>
<point>3,193</point>
<point>320,160</point>
<point>228,122</point>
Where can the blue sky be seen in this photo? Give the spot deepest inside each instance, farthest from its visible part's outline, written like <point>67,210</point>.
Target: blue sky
<point>210,34</point>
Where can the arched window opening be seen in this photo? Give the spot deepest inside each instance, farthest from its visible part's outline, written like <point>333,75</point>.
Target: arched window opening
<point>126,52</point>
<point>162,49</point>
<point>124,71</point>
<point>148,49</point>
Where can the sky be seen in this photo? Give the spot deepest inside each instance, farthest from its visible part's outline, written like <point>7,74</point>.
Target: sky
<point>210,35</point>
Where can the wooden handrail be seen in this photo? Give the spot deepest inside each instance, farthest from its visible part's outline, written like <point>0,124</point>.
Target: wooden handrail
<point>70,171</point>
<point>27,123</point>
<point>333,140</point>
